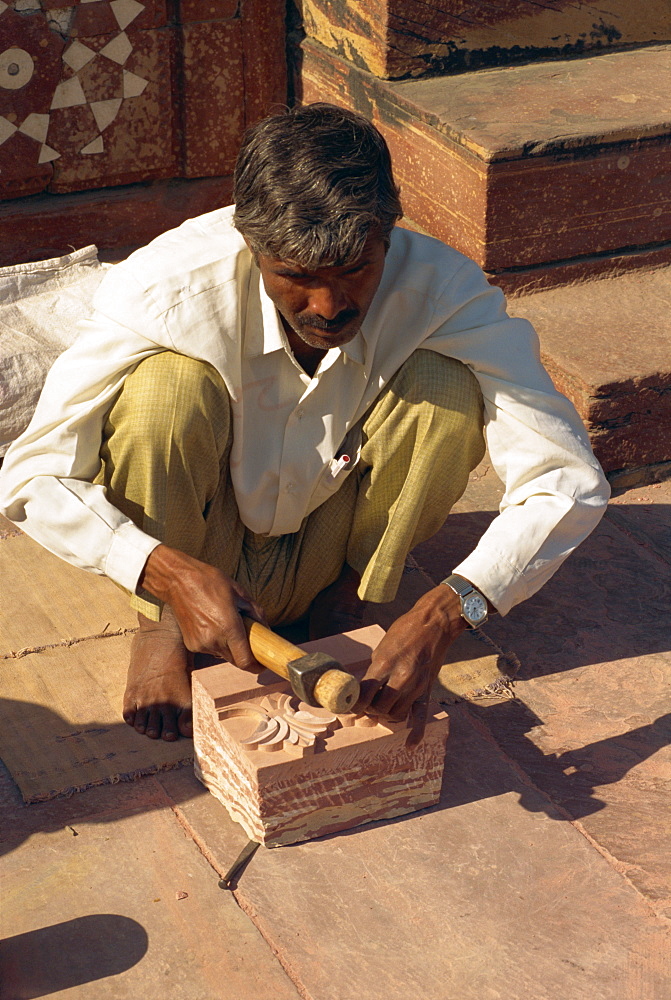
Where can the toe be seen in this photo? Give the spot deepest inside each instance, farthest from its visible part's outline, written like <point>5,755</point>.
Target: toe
<point>140,723</point>
<point>170,713</point>
<point>185,723</point>
<point>154,723</point>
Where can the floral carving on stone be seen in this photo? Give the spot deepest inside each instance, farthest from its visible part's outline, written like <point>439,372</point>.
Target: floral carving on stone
<point>282,722</point>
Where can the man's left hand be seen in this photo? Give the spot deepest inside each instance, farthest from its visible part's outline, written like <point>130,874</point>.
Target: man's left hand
<point>406,663</point>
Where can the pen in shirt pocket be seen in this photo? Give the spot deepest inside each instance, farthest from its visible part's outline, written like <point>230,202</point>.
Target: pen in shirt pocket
<point>340,464</point>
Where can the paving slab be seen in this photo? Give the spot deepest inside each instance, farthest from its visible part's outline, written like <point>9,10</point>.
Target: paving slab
<point>643,513</point>
<point>105,896</point>
<point>490,888</point>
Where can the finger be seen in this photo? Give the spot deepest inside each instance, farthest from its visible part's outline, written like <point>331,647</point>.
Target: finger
<point>258,613</point>
<point>239,648</point>
<point>368,688</point>
<point>386,702</point>
<point>248,606</point>
<point>418,715</point>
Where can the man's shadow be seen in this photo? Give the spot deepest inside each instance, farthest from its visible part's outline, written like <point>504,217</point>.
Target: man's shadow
<point>72,953</point>
<point>609,601</point>
<point>570,779</point>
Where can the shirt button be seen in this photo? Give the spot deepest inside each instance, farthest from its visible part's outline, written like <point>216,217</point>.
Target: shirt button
<point>299,414</point>
<point>289,488</point>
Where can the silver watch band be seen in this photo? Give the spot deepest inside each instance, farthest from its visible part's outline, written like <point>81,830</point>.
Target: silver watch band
<point>458,584</point>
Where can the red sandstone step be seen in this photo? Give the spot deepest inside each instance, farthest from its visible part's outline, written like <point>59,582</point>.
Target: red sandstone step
<point>400,38</point>
<point>607,346</point>
<point>524,165</point>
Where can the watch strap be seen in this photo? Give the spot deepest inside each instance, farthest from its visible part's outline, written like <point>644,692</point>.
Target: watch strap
<point>458,584</point>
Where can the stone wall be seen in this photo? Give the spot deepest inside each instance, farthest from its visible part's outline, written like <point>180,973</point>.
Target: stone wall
<point>102,93</point>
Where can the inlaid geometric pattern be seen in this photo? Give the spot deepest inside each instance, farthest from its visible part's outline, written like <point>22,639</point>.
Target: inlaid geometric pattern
<point>80,63</point>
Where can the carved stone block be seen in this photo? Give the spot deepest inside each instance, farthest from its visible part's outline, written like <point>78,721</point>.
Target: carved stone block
<point>289,772</point>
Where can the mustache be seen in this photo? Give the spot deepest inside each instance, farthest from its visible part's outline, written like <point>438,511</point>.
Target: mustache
<point>319,323</point>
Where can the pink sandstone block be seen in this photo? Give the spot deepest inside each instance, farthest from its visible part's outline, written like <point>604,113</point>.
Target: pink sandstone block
<point>289,772</point>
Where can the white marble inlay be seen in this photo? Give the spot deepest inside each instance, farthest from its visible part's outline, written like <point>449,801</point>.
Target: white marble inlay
<point>36,126</point>
<point>68,94</point>
<point>97,146</point>
<point>118,49</point>
<point>78,55</point>
<point>23,6</point>
<point>60,19</point>
<point>16,68</point>
<point>105,112</point>
<point>132,85</point>
<point>126,11</point>
<point>6,129</point>
<point>3,6</point>
<point>47,154</point>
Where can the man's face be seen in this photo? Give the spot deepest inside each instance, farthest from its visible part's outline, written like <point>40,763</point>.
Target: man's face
<point>324,307</point>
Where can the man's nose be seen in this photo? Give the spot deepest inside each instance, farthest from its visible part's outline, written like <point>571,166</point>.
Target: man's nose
<point>327,300</point>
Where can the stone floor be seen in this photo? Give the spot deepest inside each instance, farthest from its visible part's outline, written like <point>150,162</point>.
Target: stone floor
<point>543,873</point>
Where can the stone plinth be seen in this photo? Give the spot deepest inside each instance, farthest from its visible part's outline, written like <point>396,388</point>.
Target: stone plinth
<point>524,165</point>
<point>397,38</point>
<point>607,346</point>
<point>288,772</point>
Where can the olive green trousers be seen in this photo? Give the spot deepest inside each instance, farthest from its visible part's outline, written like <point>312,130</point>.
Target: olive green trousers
<point>165,464</point>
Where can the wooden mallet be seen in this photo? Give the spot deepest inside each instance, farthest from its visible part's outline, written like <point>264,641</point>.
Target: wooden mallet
<point>316,678</point>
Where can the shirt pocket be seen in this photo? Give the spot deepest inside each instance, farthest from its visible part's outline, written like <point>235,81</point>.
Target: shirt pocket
<point>336,471</point>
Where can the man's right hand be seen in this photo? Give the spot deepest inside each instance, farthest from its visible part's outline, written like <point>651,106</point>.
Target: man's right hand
<point>206,604</point>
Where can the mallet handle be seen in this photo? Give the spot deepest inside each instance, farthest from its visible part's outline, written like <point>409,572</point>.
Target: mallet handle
<point>335,690</point>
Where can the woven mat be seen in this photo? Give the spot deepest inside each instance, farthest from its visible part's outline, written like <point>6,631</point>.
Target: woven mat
<point>64,646</point>
<point>60,721</point>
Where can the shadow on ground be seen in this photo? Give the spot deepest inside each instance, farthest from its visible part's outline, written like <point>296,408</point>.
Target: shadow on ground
<point>610,601</point>
<point>72,953</point>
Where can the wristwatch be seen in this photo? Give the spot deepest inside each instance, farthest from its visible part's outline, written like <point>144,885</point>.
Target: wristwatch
<point>473,604</point>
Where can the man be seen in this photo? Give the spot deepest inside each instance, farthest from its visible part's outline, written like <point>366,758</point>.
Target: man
<point>271,405</point>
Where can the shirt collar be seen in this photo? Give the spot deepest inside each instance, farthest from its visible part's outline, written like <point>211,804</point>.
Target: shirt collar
<point>264,332</point>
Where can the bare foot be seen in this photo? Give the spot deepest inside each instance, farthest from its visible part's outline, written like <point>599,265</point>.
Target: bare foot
<point>337,608</point>
<point>157,701</point>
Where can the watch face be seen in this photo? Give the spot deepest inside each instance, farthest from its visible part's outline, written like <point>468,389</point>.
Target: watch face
<point>475,608</point>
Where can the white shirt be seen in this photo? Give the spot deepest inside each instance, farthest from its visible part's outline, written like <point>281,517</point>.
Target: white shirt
<point>196,290</point>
